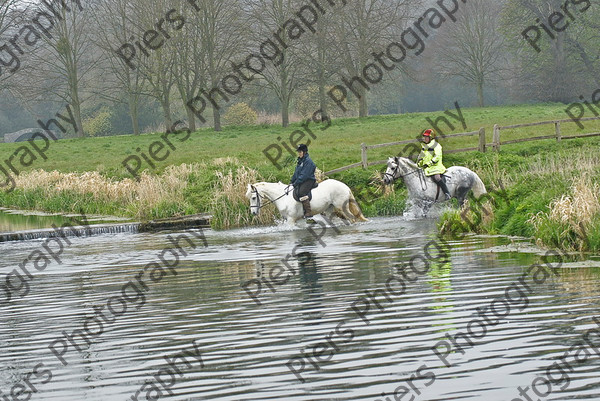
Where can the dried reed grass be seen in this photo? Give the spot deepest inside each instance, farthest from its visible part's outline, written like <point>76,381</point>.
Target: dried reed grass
<point>230,207</point>
<point>148,192</point>
<point>563,164</point>
<point>575,211</point>
<point>376,182</point>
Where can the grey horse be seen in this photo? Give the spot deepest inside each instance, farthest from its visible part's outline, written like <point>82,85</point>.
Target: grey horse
<point>460,181</point>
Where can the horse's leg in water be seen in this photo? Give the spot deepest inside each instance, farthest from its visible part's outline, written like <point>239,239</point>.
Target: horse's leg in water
<point>461,195</point>
<point>331,212</point>
<point>342,210</point>
<point>426,205</point>
<point>341,214</point>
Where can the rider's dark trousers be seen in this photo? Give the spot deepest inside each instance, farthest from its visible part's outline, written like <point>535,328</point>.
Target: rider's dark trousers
<point>304,188</point>
<point>441,181</point>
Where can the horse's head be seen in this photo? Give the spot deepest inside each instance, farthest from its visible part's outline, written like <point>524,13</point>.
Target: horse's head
<point>254,196</point>
<point>392,171</point>
<point>398,167</point>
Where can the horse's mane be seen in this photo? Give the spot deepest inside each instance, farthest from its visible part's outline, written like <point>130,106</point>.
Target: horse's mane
<point>408,161</point>
<point>263,183</point>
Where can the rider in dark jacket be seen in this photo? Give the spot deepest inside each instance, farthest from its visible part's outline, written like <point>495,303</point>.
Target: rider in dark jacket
<point>304,179</point>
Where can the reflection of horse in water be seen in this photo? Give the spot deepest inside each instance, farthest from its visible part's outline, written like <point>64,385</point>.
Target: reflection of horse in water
<point>424,190</point>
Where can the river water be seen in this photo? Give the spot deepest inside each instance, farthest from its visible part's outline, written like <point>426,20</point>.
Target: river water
<point>17,220</point>
<point>235,349</point>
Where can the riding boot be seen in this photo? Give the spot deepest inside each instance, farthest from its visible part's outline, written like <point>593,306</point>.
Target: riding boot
<point>444,188</point>
<point>306,207</point>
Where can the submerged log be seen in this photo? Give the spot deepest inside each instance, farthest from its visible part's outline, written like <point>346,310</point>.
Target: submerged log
<point>176,223</point>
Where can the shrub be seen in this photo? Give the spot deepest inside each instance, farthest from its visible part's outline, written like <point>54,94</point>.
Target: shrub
<point>307,103</point>
<point>240,114</point>
<point>100,125</point>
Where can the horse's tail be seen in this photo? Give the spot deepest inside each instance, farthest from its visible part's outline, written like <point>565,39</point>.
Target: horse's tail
<point>478,187</point>
<point>355,208</point>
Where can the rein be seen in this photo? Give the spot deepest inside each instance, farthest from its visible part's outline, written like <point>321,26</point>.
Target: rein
<point>259,197</point>
<point>422,179</point>
<point>393,174</point>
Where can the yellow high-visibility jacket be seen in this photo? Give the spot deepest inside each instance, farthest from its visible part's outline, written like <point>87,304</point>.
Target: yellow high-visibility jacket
<point>430,158</point>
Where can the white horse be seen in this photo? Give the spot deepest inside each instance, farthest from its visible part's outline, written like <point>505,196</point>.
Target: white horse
<point>460,181</point>
<point>331,197</point>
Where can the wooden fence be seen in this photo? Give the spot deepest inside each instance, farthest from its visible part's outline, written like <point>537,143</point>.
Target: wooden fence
<point>557,134</point>
<point>482,147</point>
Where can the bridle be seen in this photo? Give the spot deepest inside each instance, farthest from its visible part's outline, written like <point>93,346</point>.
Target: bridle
<point>395,170</point>
<point>259,204</point>
<point>258,200</point>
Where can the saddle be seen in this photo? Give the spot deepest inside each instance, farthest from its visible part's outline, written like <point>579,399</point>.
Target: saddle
<point>297,198</point>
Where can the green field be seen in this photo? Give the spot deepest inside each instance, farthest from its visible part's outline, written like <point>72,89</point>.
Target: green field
<point>199,190</point>
<point>337,146</point>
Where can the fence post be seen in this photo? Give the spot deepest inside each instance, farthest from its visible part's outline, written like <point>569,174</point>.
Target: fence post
<point>558,134</point>
<point>365,162</point>
<point>496,139</point>
<point>482,140</point>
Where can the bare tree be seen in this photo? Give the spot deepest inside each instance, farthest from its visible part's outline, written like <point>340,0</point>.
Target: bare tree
<point>117,81</point>
<point>5,17</point>
<point>189,64</point>
<point>584,40</point>
<point>11,12</point>
<point>63,62</point>
<point>157,65</point>
<point>318,55</point>
<point>545,73</point>
<point>363,27</point>
<point>221,25</point>
<point>473,48</point>
<point>283,75</point>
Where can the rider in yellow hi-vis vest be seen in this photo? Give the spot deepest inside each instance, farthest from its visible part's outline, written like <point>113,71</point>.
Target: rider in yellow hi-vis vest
<point>430,159</point>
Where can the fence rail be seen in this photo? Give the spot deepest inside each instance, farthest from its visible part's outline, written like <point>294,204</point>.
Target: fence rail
<point>483,145</point>
<point>557,132</point>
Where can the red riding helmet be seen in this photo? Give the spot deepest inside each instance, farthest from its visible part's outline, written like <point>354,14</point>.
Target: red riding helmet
<point>429,133</point>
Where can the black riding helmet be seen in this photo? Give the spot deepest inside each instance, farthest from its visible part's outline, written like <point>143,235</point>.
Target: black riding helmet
<point>302,148</point>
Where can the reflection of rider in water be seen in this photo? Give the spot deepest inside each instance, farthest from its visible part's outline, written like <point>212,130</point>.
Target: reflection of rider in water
<point>440,271</point>
<point>308,272</point>
<point>430,159</point>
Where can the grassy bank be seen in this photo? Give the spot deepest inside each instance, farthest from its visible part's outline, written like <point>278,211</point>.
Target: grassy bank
<point>546,191</point>
<point>208,171</point>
